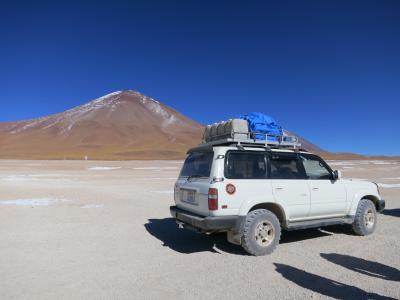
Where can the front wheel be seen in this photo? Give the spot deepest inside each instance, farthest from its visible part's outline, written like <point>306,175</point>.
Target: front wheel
<point>261,232</point>
<point>365,218</point>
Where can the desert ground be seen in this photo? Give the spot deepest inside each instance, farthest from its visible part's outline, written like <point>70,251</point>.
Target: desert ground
<point>102,230</point>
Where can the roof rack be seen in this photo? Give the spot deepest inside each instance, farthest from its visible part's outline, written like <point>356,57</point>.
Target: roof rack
<point>254,139</point>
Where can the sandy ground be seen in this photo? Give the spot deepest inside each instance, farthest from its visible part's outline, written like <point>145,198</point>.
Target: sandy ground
<point>102,230</point>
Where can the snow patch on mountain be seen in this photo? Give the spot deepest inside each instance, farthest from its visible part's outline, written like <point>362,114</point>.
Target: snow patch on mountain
<point>27,125</point>
<point>106,96</point>
<point>156,108</point>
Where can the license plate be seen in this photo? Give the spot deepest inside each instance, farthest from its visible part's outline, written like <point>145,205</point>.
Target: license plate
<point>188,196</point>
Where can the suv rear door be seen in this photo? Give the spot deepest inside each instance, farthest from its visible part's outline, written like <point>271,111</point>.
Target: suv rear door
<point>328,196</point>
<point>289,184</point>
<point>191,188</point>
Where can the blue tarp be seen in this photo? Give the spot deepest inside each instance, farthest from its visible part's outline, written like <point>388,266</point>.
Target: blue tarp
<point>261,123</point>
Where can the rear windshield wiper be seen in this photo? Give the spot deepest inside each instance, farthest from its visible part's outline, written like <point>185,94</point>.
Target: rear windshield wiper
<point>194,176</point>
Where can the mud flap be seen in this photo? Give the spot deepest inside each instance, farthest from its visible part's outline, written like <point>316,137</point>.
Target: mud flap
<point>235,236</point>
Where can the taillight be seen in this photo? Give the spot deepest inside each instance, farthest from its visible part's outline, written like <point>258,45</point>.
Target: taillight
<point>212,199</point>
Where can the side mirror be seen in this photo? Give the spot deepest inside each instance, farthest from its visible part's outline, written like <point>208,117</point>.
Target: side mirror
<point>337,175</point>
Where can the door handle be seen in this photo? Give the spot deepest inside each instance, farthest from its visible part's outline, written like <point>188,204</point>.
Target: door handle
<point>279,188</point>
<point>315,189</point>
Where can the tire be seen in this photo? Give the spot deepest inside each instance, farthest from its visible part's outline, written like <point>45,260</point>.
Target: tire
<point>269,232</point>
<point>365,218</point>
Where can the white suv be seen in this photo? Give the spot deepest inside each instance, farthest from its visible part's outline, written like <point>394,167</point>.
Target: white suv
<point>253,191</point>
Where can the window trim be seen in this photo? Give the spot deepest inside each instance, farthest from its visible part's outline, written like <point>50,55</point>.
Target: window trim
<point>320,160</point>
<point>299,165</point>
<point>227,155</point>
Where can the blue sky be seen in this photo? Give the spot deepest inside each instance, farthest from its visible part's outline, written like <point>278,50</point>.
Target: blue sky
<point>327,70</point>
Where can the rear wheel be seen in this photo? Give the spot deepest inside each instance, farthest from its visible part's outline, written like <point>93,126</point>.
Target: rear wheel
<point>261,232</point>
<point>365,218</point>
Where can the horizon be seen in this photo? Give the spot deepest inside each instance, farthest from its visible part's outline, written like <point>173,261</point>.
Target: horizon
<point>330,70</point>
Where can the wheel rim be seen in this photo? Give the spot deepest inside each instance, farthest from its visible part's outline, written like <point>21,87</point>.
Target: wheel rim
<point>369,218</point>
<point>264,233</point>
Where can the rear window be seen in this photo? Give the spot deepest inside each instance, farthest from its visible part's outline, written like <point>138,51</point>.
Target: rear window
<point>245,165</point>
<point>197,164</point>
<point>285,166</point>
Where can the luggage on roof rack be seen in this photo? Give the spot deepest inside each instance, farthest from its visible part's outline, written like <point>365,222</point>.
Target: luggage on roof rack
<point>264,124</point>
<point>235,128</point>
<point>236,131</point>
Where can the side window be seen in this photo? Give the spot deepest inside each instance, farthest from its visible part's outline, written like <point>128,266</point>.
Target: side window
<point>315,167</point>
<point>245,165</point>
<point>285,166</point>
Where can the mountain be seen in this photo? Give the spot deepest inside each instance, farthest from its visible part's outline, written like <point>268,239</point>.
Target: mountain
<point>305,144</point>
<point>121,125</point>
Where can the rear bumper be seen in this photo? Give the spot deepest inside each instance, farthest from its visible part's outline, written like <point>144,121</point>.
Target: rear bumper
<point>380,206</point>
<point>206,224</point>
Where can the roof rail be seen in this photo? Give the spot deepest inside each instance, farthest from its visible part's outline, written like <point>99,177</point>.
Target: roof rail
<point>255,139</point>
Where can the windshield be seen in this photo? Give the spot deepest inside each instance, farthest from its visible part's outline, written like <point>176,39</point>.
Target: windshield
<point>197,164</point>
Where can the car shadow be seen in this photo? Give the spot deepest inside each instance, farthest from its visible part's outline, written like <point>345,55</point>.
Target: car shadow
<point>301,235</point>
<point>345,229</point>
<point>394,212</point>
<point>363,266</point>
<point>323,285</point>
<point>187,241</point>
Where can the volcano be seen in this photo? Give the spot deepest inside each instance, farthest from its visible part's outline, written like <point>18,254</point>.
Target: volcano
<point>121,125</point>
